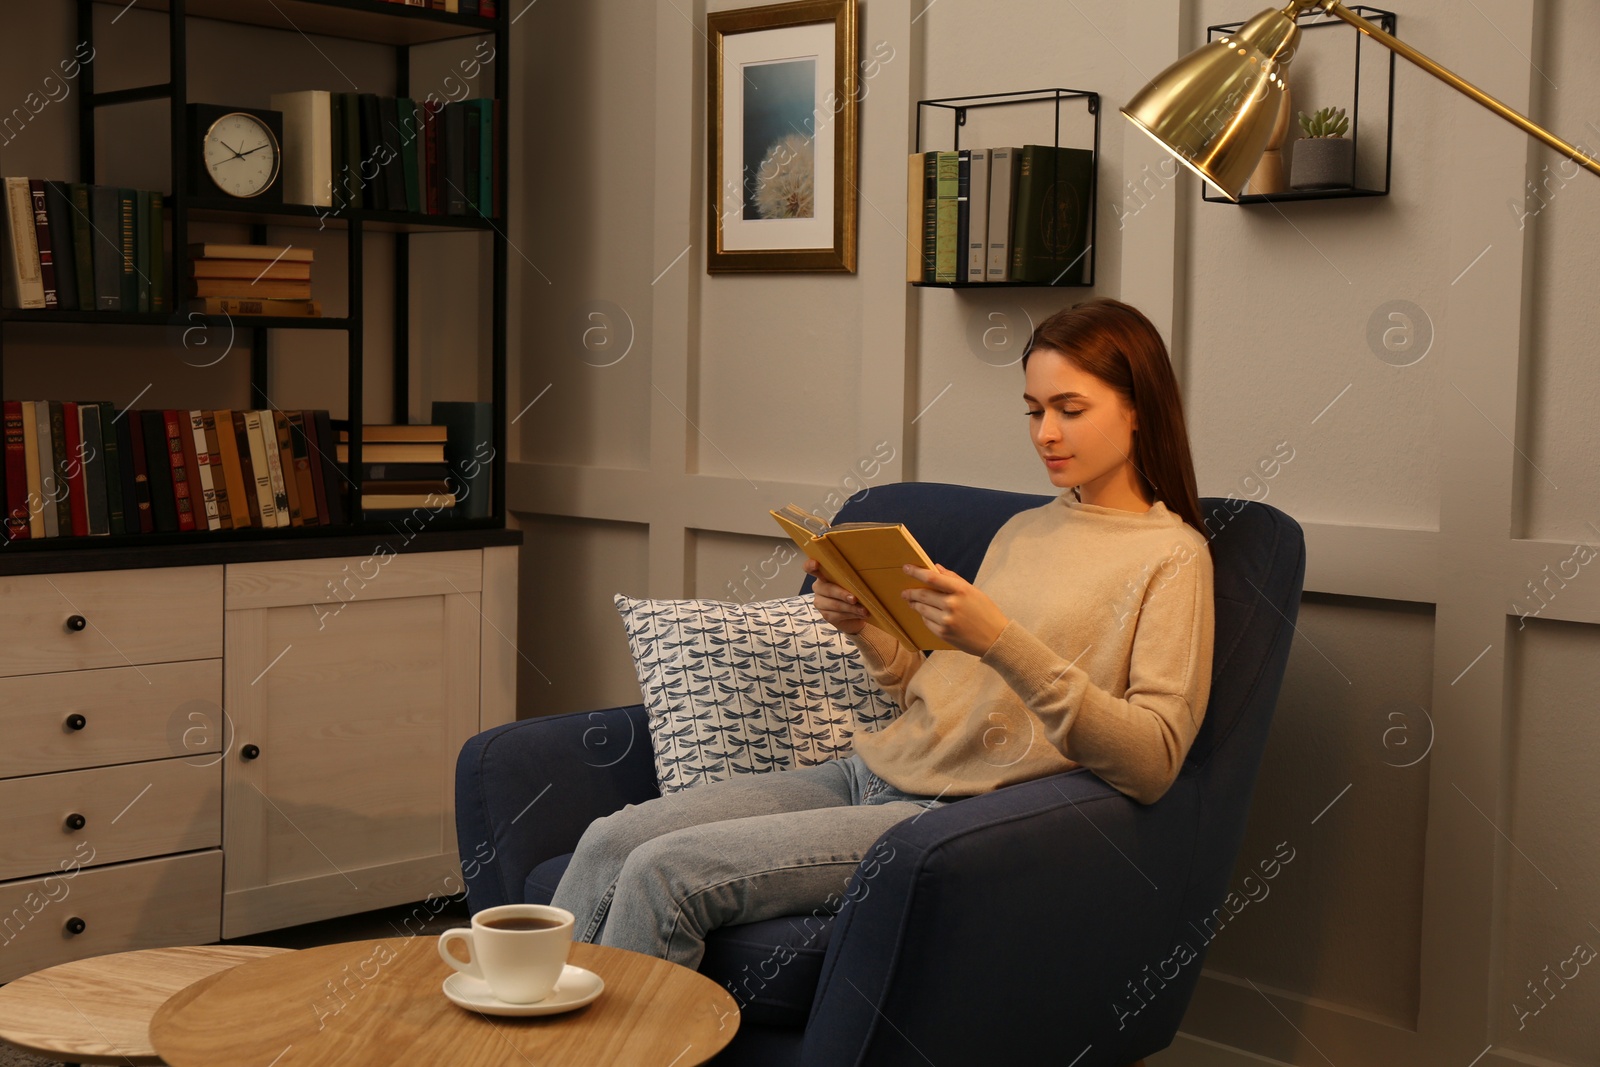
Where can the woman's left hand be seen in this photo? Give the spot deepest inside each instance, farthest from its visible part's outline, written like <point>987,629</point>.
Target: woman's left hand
<point>955,609</point>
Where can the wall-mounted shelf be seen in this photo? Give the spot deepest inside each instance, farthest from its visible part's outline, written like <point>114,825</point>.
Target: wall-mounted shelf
<point>1317,20</point>
<point>959,106</point>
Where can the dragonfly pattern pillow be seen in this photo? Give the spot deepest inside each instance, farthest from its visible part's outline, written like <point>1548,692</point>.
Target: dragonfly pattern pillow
<point>734,689</point>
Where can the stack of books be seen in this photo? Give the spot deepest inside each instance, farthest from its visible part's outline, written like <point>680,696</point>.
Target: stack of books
<point>252,280</point>
<point>84,469</point>
<point>403,467</point>
<point>383,153</point>
<point>999,214</point>
<point>76,247</point>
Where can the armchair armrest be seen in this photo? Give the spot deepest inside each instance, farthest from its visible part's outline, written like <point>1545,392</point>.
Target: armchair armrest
<point>526,791</point>
<point>969,918</point>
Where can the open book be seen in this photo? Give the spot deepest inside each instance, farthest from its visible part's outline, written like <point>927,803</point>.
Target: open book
<point>866,558</point>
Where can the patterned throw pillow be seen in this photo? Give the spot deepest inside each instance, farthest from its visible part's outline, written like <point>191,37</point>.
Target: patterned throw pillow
<point>743,688</point>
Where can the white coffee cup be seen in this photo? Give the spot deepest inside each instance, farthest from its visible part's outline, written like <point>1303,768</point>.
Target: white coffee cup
<point>518,949</point>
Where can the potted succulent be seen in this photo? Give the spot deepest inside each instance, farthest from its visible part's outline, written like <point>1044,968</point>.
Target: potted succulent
<point>1324,158</point>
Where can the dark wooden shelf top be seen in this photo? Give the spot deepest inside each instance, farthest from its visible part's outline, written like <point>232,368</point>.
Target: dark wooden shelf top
<point>1295,194</point>
<point>183,320</point>
<point>360,20</point>
<point>57,555</point>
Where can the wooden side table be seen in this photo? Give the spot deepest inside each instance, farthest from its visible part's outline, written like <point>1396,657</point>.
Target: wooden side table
<point>98,1010</point>
<point>382,1002</point>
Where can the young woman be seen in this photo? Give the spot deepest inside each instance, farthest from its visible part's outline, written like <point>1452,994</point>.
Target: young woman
<point>1085,640</point>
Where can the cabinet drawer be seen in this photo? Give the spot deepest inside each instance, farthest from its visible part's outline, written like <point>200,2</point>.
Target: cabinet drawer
<point>62,722</point>
<point>74,622</point>
<point>127,812</point>
<point>149,904</point>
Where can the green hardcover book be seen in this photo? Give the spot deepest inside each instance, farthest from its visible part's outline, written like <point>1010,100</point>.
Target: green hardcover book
<point>485,113</point>
<point>156,246</point>
<point>354,184</point>
<point>949,217</point>
<point>141,248</point>
<point>1050,218</point>
<point>410,134</point>
<point>128,241</point>
<point>83,243</point>
<point>114,460</point>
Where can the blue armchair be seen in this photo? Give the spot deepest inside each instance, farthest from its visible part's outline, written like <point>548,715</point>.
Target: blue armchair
<point>1030,925</point>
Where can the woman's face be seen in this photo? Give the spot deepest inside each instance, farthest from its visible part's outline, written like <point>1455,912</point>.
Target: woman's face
<point>1082,430</point>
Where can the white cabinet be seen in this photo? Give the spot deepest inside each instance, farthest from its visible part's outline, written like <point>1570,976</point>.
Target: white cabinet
<point>213,751</point>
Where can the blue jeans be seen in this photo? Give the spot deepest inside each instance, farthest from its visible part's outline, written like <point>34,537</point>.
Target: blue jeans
<point>657,877</point>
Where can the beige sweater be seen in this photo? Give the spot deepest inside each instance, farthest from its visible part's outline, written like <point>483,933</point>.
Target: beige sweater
<point>1105,662</point>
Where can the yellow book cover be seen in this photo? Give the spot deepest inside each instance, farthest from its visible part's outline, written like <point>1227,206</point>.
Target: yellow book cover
<point>867,558</point>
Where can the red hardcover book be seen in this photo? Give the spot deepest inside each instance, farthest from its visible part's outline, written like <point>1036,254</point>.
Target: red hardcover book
<point>17,514</point>
<point>242,438</point>
<point>71,467</point>
<point>192,461</point>
<point>176,423</point>
<point>433,203</point>
<point>141,472</point>
<point>489,8</point>
<point>301,451</point>
<point>47,261</point>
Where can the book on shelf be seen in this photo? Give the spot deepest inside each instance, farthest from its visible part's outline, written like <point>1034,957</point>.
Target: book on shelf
<point>63,254</point>
<point>867,558</point>
<point>85,469</point>
<point>289,309</point>
<point>24,280</point>
<point>307,146</point>
<point>41,227</point>
<point>976,240</point>
<point>1050,215</point>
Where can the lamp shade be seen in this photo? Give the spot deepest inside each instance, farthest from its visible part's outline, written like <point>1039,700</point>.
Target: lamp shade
<point>1215,108</point>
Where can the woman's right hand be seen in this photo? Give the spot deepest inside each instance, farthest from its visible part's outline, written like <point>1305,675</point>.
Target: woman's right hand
<point>834,602</point>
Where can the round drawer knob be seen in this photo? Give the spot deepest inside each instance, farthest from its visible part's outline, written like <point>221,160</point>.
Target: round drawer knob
<point>76,623</point>
<point>249,752</point>
<point>76,925</point>
<point>76,722</point>
<point>76,821</point>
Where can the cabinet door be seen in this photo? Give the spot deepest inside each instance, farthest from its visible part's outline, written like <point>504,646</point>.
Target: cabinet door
<point>352,685</point>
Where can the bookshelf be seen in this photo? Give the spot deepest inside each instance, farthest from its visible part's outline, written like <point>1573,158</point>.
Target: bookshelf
<point>371,21</point>
<point>956,108</point>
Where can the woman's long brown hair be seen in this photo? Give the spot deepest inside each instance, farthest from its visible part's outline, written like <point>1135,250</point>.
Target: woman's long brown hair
<point>1116,343</point>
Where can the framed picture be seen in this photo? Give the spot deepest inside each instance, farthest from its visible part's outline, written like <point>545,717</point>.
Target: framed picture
<point>782,127</point>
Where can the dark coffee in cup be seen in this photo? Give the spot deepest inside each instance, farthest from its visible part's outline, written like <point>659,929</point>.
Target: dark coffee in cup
<point>521,922</point>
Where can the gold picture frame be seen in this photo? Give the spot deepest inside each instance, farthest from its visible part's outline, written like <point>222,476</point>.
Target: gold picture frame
<point>782,151</point>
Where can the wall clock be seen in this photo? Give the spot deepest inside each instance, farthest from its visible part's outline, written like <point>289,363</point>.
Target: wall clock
<point>236,154</point>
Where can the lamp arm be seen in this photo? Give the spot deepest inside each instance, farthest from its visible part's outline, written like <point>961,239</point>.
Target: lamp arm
<point>1455,81</point>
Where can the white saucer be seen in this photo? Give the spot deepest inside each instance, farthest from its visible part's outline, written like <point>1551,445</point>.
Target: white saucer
<point>575,988</point>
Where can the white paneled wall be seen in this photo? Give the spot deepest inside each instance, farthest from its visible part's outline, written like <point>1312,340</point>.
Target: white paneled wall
<point>1429,765</point>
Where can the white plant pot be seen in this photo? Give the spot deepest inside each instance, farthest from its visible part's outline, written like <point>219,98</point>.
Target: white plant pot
<point>1323,163</point>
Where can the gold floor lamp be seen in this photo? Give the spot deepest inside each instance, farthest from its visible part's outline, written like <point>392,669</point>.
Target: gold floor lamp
<point>1214,109</point>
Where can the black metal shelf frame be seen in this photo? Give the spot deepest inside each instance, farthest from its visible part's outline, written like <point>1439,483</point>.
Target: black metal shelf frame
<point>402,27</point>
<point>1313,19</point>
<point>958,107</point>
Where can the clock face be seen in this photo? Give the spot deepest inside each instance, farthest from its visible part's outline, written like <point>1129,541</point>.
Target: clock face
<point>241,155</point>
